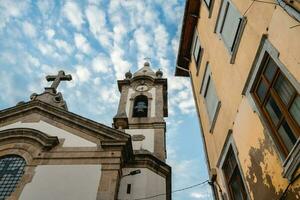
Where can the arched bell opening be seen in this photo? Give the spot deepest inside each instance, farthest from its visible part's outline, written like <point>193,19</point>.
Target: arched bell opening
<point>140,106</point>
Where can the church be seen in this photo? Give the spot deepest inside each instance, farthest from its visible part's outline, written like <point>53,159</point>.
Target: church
<point>48,152</point>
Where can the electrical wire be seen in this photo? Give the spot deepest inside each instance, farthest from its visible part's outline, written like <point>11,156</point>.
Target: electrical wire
<point>178,190</point>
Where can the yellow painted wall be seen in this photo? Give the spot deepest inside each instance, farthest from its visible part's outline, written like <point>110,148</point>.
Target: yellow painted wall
<point>259,159</point>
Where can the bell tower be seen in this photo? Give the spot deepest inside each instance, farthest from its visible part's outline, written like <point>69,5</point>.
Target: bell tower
<point>142,108</point>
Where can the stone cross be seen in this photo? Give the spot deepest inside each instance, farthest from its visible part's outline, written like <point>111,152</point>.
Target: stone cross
<point>57,78</point>
<point>148,59</point>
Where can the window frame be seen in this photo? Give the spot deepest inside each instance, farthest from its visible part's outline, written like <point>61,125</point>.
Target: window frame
<point>286,116</point>
<point>229,144</point>
<point>20,174</point>
<point>222,13</point>
<point>292,161</point>
<point>207,80</point>
<point>197,58</point>
<point>209,7</point>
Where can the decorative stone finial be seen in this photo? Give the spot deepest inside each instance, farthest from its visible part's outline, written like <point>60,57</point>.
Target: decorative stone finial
<point>50,95</point>
<point>128,75</point>
<point>146,64</point>
<point>159,73</point>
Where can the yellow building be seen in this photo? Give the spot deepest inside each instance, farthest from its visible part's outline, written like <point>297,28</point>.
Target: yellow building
<point>243,59</point>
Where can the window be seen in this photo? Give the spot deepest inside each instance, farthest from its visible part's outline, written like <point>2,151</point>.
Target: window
<point>230,26</point>
<point>197,50</point>
<point>233,177</point>
<point>140,106</point>
<point>11,171</point>
<point>208,3</point>
<point>210,95</point>
<point>279,103</point>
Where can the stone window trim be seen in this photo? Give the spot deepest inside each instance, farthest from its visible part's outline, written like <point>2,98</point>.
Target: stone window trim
<point>238,36</point>
<point>230,143</point>
<point>132,98</point>
<point>291,163</point>
<point>203,88</point>
<point>209,7</point>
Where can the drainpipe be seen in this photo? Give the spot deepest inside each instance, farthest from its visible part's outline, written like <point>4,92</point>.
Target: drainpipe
<point>213,187</point>
<point>290,10</point>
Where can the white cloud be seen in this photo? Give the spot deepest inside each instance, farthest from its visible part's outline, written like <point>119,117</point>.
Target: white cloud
<point>97,24</point>
<point>161,40</point>
<point>61,44</point>
<point>200,195</point>
<point>82,43</point>
<point>11,8</point>
<point>73,13</point>
<point>101,63</point>
<point>29,29</point>
<point>121,66</point>
<point>144,41</point>
<point>33,60</point>
<point>45,48</point>
<point>50,33</point>
<point>82,73</point>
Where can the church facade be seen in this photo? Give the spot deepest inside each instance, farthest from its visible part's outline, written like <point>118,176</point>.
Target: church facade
<point>48,152</point>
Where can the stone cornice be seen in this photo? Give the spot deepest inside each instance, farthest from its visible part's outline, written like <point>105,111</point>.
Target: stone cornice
<point>47,142</point>
<point>71,119</point>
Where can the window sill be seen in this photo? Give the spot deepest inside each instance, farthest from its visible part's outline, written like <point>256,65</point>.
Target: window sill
<point>291,163</point>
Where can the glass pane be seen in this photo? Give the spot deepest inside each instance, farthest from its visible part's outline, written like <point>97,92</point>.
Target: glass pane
<point>284,89</point>
<point>197,50</point>
<point>237,186</point>
<point>295,110</point>
<point>211,100</point>
<point>11,170</point>
<point>270,70</point>
<point>273,110</point>
<point>287,135</point>
<point>230,26</point>
<point>261,90</point>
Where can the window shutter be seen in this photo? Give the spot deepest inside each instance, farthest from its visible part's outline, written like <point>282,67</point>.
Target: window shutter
<point>230,26</point>
<point>208,91</point>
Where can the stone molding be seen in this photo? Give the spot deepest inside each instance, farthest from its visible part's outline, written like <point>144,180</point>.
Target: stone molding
<point>45,141</point>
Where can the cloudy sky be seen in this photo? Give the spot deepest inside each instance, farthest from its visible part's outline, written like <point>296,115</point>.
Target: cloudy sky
<point>97,41</point>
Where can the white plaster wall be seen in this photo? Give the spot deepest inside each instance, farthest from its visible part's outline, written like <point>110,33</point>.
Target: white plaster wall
<point>71,140</point>
<point>153,93</point>
<point>63,182</point>
<point>145,184</point>
<point>147,143</point>
<point>130,92</point>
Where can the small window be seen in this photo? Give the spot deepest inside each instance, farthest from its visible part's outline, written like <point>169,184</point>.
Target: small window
<point>208,3</point>
<point>140,106</point>
<point>197,50</point>
<point>279,103</point>
<point>230,25</point>
<point>233,177</point>
<point>128,189</point>
<point>11,171</point>
<point>209,93</point>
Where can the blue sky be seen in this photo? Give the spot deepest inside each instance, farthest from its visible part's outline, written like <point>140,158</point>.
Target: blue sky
<point>97,42</point>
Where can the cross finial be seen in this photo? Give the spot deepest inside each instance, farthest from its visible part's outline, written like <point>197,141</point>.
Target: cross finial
<point>57,78</point>
<point>148,59</point>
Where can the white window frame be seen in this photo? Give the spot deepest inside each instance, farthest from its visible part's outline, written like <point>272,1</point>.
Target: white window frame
<point>220,25</point>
